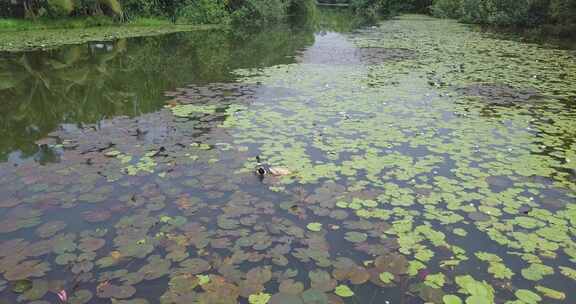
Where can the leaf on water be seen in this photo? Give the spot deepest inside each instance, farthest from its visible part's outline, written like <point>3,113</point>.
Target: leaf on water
<point>527,296</point>
<point>81,296</point>
<point>394,263</point>
<point>91,244</point>
<point>284,298</point>
<point>314,296</point>
<point>568,272</point>
<point>114,291</point>
<point>260,275</point>
<point>96,216</point>
<point>21,286</point>
<point>195,266</point>
<point>261,298</point>
<point>551,293</point>
<point>435,280</point>
<point>451,299</point>
<point>49,229</point>
<point>536,272</point>
<point>479,291</point>
<point>478,300</point>
<point>314,227</point>
<point>344,291</point>
<point>39,289</point>
<point>386,277</point>
<point>27,269</point>
<point>479,216</point>
<point>460,232</point>
<point>203,279</point>
<point>291,287</point>
<point>355,237</point>
<point>321,280</point>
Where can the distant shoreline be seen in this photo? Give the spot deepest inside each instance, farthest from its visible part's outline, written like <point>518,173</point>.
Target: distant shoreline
<point>27,40</point>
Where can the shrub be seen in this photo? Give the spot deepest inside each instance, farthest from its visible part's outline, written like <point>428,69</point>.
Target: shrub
<point>259,12</point>
<point>58,8</point>
<point>204,12</point>
<point>114,6</point>
<point>447,8</point>
<point>140,8</point>
<point>563,11</point>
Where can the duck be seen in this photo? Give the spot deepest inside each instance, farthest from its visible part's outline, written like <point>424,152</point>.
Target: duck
<point>263,169</point>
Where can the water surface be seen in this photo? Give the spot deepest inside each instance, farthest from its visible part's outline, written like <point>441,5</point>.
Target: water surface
<point>419,161</point>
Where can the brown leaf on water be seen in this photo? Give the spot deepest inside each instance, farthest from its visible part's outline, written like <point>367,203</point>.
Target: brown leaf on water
<point>114,291</point>
<point>393,263</point>
<point>90,244</point>
<point>27,269</point>
<point>96,216</point>
<point>291,287</point>
<point>218,285</point>
<point>259,274</point>
<point>356,274</point>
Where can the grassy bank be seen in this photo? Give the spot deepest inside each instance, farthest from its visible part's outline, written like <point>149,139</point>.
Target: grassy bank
<point>13,24</point>
<point>42,36</point>
<point>46,24</point>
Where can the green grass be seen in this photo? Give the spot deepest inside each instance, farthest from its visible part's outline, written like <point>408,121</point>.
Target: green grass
<point>147,21</point>
<point>74,23</point>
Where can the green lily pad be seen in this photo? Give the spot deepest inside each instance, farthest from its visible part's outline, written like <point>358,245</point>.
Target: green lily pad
<point>314,227</point>
<point>386,277</point>
<point>261,298</point>
<point>355,237</point>
<point>528,296</point>
<point>478,300</point>
<point>21,286</point>
<point>344,291</point>
<point>551,293</point>
<point>314,296</point>
<point>451,299</point>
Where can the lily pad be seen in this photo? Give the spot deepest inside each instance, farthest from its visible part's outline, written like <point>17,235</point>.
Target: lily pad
<point>451,299</point>
<point>478,216</point>
<point>261,298</point>
<point>21,286</point>
<point>283,298</point>
<point>314,227</point>
<point>49,229</point>
<point>81,296</point>
<point>527,296</point>
<point>386,277</point>
<point>115,291</point>
<point>344,291</point>
<point>551,293</point>
<point>313,296</point>
<point>355,237</point>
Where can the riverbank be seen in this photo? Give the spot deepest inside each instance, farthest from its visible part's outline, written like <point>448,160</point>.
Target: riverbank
<point>15,41</point>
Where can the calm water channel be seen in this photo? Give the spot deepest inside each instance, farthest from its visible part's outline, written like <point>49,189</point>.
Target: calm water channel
<point>412,161</point>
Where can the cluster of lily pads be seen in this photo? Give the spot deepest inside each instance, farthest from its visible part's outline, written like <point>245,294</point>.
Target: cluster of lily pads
<point>403,187</point>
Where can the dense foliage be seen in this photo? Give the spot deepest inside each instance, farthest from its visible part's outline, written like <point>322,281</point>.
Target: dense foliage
<point>525,13</point>
<point>374,8</point>
<point>253,12</point>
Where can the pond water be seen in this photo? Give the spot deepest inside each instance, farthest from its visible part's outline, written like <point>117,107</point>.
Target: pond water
<point>415,161</point>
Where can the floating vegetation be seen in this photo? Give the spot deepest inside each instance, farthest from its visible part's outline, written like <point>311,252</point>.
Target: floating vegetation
<point>499,94</point>
<point>389,182</point>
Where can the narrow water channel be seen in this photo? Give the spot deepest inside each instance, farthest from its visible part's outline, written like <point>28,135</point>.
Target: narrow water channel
<point>412,161</point>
